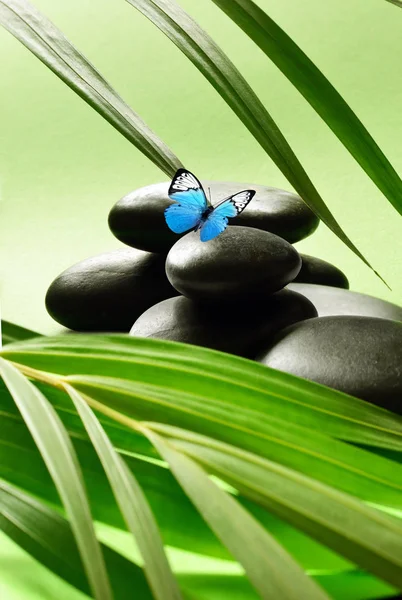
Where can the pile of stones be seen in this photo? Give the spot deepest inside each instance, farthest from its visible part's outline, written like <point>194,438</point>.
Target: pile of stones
<point>247,292</point>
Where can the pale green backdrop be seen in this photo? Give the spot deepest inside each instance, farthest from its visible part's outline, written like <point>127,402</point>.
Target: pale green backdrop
<point>62,167</point>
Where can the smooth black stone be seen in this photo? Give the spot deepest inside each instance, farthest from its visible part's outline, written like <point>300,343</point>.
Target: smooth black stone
<point>332,301</point>
<point>239,263</point>
<point>361,356</point>
<point>109,291</point>
<point>138,220</point>
<point>223,328</point>
<point>315,270</point>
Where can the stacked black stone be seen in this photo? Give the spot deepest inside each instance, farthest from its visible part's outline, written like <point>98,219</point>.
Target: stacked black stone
<point>247,292</point>
<point>230,292</point>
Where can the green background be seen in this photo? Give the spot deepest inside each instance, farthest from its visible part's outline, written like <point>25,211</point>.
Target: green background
<point>62,167</point>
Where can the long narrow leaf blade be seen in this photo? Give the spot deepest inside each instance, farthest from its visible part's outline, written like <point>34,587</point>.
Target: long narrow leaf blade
<point>47,42</point>
<point>351,585</point>
<point>199,47</point>
<point>364,535</point>
<point>318,91</point>
<point>132,503</point>
<point>215,379</point>
<point>58,453</point>
<point>47,536</point>
<point>272,571</point>
<point>21,464</point>
<point>245,404</point>
<point>370,477</point>
<point>10,333</point>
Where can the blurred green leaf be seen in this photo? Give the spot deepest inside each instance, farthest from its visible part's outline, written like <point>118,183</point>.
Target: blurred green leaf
<point>48,43</point>
<point>15,333</point>
<point>271,570</point>
<point>58,453</point>
<point>366,536</point>
<point>331,461</point>
<point>212,381</point>
<point>396,2</point>
<point>132,503</point>
<point>21,464</point>
<point>238,401</point>
<point>206,55</point>
<point>351,585</point>
<point>47,536</point>
<point>318,91</point>
<point>263,427</point>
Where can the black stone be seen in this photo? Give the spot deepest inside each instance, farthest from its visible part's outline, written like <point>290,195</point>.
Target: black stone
<point>109,291</point>
<point>239,263</point>
<point>361,356</point>
<point>228,329</point>
<point>315,270</point>
<point>332,301</point>
<point>138,220</point>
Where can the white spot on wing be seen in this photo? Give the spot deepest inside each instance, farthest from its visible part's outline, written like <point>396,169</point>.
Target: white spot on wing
<point>186,181</point>
<point>241,200</point>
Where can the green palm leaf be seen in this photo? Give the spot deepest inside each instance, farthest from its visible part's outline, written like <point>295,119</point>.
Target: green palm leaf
<point>272,571</point>
<point>351,585</point>
<point>48,537</point>
<point>270,436</point>
<point>351,469</point>
<point>44,40</point>
<point>234,400</point>
<point>200,48</point>
<point>15,333</point>
<point>318,91</point>
<point>366,536</point>
<point>59,456</point>
<point>132,503</point>
<point>226,378</point>
<point>21,464</point>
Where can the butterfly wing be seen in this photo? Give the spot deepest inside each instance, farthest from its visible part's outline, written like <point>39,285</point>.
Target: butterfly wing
<point>212,226</point>
<point>181,218</point>
<point>188,192</point>
<point>217,220</point>
<point>234,205</point>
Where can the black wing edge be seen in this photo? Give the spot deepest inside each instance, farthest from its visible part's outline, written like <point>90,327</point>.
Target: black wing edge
<point>251,192</point>
<point>180,172</point>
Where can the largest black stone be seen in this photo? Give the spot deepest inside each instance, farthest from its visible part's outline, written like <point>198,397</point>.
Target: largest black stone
<point>108,292</point>
<point>138,219</point>
<point>361,356</point>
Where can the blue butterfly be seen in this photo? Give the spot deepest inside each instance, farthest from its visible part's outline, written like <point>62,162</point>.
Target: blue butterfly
<point>193,212</point>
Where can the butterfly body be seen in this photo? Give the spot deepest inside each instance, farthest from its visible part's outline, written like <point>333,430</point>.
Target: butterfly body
<point>193,212</point>
<point>204,217</point>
